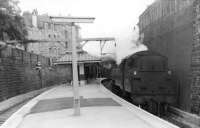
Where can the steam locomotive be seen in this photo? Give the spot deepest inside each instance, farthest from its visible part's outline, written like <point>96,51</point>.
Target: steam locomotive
<point>144,79</point>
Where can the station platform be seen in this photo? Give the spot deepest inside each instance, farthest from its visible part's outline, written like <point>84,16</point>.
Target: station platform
<point>100,108</point>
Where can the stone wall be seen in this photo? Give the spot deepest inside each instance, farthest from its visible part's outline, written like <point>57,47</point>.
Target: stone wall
<point>195,66</point>
<point>18,73</point>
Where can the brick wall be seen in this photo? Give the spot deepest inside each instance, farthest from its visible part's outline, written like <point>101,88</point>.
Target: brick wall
<point>195,66</point>
<point>178,37</point>
<point>18,73</point>
<point>172,36</point>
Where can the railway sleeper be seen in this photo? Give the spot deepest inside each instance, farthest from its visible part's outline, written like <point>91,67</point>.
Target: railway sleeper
<point>183,119</point>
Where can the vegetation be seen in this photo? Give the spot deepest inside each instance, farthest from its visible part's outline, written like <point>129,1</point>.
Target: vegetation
<point>12,26</point>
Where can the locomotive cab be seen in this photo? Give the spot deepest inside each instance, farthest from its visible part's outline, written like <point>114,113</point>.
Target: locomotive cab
<point>147,77</point>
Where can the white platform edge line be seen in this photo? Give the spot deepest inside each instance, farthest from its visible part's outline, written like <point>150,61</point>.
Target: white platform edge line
<point>15,120</point>
<point>153,120</point>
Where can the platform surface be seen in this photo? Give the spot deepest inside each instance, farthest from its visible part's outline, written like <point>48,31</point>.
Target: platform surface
<point>99,109</point>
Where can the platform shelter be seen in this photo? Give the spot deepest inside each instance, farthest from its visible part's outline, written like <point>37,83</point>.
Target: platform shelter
<point>89,67</point>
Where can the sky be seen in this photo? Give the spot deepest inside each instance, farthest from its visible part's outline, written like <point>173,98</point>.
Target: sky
<point>114,18</point>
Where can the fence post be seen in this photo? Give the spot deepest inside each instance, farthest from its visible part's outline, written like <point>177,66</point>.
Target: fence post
<point>30,60</point>
<point>22,58</point>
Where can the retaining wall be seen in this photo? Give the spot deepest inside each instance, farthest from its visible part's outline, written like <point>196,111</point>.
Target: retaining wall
<point>195,63</point>
<point>172,36</point>
<point>18,73</point>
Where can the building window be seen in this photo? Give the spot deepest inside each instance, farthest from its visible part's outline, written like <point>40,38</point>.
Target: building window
<point>66,34</point>
<point>45,25</point>
<point>66,44</point>
<point>49,26</point>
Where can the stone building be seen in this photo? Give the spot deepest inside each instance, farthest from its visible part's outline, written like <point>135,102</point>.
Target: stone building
<point>168,27</point>
<point>53,40</point>
<point>161,9</point>
<point>48,38</point>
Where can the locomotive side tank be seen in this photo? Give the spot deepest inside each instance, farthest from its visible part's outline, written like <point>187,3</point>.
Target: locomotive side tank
<point>146,79</point>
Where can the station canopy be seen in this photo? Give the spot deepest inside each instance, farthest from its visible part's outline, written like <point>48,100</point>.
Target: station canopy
<point>83,57</point>
<point>108,58</point>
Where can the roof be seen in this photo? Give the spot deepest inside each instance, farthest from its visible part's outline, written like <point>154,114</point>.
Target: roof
<point>99,39</point>
<point>44,18</point>
<point>140,54</point>
<point>82,57</point>
<point>144,53</point>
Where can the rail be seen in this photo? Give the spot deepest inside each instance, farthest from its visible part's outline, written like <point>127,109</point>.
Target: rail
<point>185,118</point>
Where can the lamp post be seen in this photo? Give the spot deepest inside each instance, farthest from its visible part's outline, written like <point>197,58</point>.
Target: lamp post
<point>72,21</point>
<point>39,68</point>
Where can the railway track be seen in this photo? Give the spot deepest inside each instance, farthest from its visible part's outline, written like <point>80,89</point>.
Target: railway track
<point>170,116</point>
<point>175,120</point>
<point>6,114</point>
<point>181,118</point>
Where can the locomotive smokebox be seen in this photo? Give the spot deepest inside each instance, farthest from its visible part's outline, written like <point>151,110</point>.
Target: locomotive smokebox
<point>108,61</point>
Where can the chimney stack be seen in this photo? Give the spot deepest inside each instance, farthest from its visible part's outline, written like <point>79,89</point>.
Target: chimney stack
<point>34,18</point>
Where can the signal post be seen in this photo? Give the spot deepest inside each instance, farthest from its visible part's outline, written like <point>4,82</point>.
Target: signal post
<point>73,20</point>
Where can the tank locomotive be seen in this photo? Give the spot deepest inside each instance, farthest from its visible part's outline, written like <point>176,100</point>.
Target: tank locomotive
<point>144,79</point>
